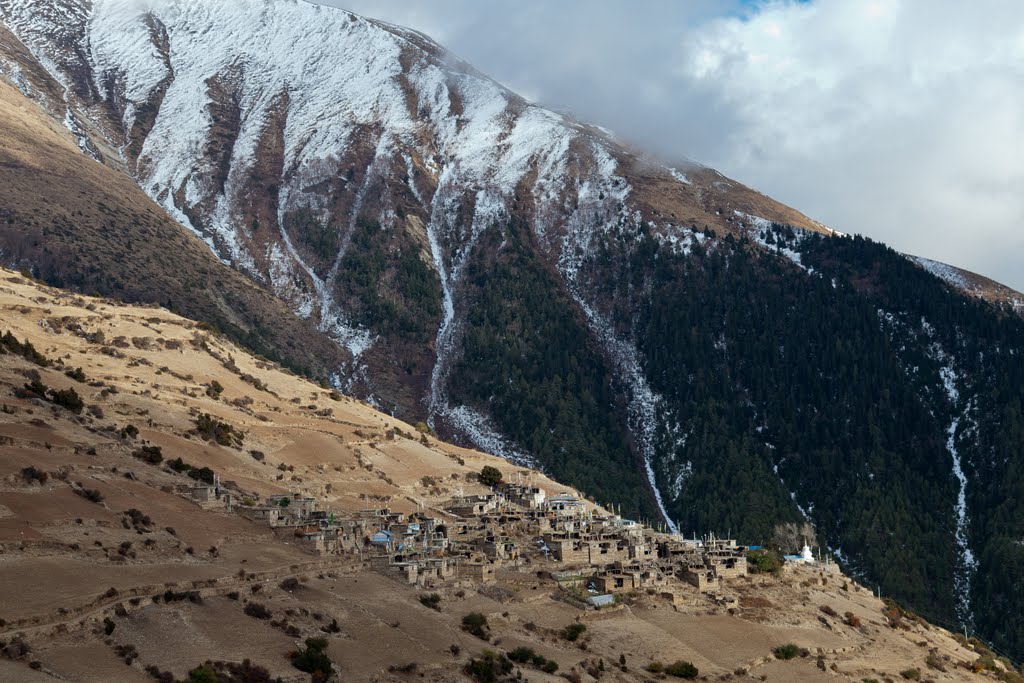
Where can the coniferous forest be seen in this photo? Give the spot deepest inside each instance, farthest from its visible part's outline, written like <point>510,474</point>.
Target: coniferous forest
<point>823,390</point>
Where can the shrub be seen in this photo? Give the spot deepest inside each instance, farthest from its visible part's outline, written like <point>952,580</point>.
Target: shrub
<point>212,429</point>
<point>431,600</point>
<point>179,465</point>
<point>682,669</point>
<point>155,672</point>
<point>655,667</point>
<point>108,625</point>
<point>934,662</point>
<point>852,620</point>
<point>290,584</point>
<point>911,674</point>
<point>202,674</point>
<point>215,389</point>
<point>33,389</point>
<point>77,374</point>
<point>313,659</point>
<point>489,668</point>
<point>91,495</point>
<point>137,518</point>
<point>69,399</point>
<point>176,596</point>
<point>31,474</point>
<point>521,655</point>
<point>572,632</point>
<point>409,668</point>
<point>129,432</point>
<point>127,652</point>
<point>787,651</point>
<point>8,343</point>
<point>149,454</point>
<point>490,476</point>
<point>764,561</point>
<point>246,672</point>
<point>203,474</point>
<point>258,611</point>
<point>829,611</point>
<point>475,624</point>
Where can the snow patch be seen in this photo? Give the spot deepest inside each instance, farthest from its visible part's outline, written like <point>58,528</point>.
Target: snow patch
<point>486,437</point>
<point>944,272</point>
<point>759,229</point>
<point>679,176</point>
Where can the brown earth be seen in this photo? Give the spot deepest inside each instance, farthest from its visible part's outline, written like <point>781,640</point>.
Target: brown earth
<point>62,571</point>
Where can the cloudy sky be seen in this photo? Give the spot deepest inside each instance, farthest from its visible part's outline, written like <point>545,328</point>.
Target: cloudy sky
<point>899,119</point>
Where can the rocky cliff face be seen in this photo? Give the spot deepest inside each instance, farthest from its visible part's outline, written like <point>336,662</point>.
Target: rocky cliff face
<point>661,337</point>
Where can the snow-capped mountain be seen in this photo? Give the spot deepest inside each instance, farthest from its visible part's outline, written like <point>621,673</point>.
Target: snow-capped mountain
<point>272,127</point>
<point>664,338</point>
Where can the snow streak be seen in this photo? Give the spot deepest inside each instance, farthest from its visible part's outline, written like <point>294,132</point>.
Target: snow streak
<point>967,562</point>
<point>473,424</point>
<point>597,194</point>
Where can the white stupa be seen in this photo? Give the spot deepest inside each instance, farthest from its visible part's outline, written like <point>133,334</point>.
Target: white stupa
<point>806,555</point>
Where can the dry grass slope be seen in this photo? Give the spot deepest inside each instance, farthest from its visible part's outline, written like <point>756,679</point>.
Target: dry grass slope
<point>72,569</point>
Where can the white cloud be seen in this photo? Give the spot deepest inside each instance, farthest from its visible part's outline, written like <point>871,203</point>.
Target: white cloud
<point>899,119</point>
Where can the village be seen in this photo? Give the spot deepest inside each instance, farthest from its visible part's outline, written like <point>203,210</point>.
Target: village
<point>590,555</point>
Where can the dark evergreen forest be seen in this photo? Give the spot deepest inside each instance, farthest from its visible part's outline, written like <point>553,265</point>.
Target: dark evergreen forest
<point>789,392</point>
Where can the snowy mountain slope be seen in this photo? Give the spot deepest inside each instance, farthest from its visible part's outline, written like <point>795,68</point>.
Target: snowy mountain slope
<point>256,123</point>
